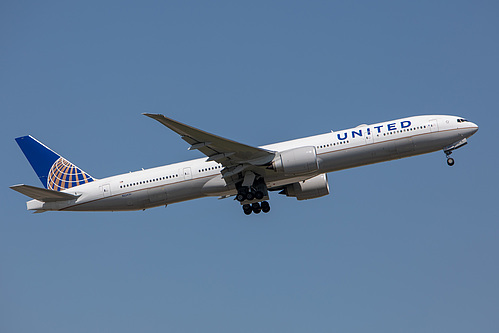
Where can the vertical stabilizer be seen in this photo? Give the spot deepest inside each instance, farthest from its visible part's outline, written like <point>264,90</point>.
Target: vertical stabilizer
<point>55,172</point>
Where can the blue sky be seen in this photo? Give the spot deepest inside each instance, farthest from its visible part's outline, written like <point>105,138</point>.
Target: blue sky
<point>409,245</point>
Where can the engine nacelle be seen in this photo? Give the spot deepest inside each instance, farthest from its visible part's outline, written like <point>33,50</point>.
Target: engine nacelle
<point>308,189</point>
<point>296,161</point>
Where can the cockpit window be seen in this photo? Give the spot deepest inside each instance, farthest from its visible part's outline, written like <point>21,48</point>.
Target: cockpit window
<point>461,120</point>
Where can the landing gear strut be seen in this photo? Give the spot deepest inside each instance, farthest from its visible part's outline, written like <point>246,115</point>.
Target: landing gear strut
<point>450,160</point>
<point>448,150</point>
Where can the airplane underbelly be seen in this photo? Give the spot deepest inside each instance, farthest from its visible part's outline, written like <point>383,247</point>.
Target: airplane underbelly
<point>122,202</point>
<point>435,141</point>
<point>385,151</point>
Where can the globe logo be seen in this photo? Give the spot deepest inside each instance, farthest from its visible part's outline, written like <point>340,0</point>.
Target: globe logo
<point>64,174</point>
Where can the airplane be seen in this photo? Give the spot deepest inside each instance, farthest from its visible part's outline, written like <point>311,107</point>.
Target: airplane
<point>296,168</point>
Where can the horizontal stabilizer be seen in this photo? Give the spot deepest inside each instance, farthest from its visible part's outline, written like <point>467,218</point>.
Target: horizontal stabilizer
<point>42,194</point>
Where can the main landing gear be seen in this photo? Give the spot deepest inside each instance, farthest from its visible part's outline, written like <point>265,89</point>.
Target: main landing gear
<point>248,194</point>
<point>253,201</point>
<point>256,207</point>
<point>252,194</point>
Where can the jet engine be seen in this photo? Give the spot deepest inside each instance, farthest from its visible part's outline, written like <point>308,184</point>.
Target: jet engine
<point>308,189</point>
<point>296,161</point>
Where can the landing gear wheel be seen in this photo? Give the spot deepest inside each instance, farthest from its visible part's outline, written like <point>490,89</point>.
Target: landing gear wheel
<point>250,196</point>
<point>240,197</point>
<point>247,209</point>
<point>450,161</point>
<point>259,195</point>
<point>256,208</point>
<point>265,207</point>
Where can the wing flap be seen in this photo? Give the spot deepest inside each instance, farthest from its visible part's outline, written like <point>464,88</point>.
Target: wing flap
<point>221,150</point>
<point>42,194</point>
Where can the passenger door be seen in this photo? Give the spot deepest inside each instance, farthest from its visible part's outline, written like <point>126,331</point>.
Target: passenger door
<point>187,173</point>
<point>105,190</point>
<point>433,125</point>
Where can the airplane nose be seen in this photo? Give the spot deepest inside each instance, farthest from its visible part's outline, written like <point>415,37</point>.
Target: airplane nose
<point>471,129</point>
<point>474,128</point>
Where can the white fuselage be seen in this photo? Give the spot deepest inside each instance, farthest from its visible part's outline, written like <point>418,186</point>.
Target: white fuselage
<point>362,145</point>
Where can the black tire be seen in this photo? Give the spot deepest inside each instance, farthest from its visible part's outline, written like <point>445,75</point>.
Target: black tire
<point>240,197</point>
<point>250,196</point>
<point>247,209</point>
<point>256,208</point>
<point>265,207</point>
<point>259,195</point>
<point>450,161</point>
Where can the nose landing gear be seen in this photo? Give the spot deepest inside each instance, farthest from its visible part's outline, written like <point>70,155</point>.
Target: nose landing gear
<point>448,150</point>
<point>450,160</point>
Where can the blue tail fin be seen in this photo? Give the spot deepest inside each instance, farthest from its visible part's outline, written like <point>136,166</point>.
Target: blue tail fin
<point>55,172</point>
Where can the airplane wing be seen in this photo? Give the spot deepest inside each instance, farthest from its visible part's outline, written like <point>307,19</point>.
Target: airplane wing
<point>42,194</point>
<point>224,151</point>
